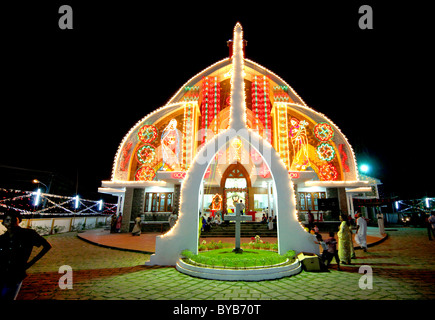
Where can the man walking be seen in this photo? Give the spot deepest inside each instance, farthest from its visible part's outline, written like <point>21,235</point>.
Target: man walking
<point>361,232</point>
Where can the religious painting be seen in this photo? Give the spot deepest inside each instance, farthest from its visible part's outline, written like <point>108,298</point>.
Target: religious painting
<point>170,144</point>
<point>216,203</point>
<point>299,140</point>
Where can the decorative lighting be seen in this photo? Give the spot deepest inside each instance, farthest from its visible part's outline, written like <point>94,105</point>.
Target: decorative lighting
<point>323,131</point>
<point>325,151</point>
<point>146,154</point>
<point>193,85</point>
<point>76,202</point>
<point>37,196</point>
<point>147,133</point>
<point>145,173</point>
<point>364,168</point>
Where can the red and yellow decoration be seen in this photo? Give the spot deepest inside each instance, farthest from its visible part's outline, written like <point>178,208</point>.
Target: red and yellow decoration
<point>146,154</point>
<point>325,152</point>
<point>261,105</point>
<point>323,131</point>
<point>145,173</point>
<point>328,172</point>
<point>210,105</point>
<point>147,133</point>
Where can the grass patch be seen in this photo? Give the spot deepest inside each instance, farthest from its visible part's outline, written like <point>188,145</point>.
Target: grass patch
<point>256,243</point>
<point>225,258</point>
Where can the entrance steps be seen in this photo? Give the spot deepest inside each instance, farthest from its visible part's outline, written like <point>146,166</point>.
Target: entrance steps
<point>247,229</point>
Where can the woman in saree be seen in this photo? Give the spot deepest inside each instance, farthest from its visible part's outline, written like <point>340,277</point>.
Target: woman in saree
<point>344,240</point>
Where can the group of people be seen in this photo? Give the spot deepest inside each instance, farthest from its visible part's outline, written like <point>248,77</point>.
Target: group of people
<point>115,223</point>
<point>208,222</point>
<point>342,250</point>
<point>271,221</point>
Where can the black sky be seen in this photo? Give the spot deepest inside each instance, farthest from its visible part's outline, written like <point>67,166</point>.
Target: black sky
<point>70,96</point>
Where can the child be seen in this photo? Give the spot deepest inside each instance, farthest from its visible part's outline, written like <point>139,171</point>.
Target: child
<point>332,251</point>
<point>320,241</point>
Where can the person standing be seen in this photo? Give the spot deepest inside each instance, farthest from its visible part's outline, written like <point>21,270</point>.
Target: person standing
<point>352,250</point>
<point>310,220</point>
<point>380,218</point>
<point>344,240</point>
<point>331,251</point>
<point>203,223</point>
<point>361,232</point>
<point>16,246</point>
<point>118,223</point>
<point>431,225</point>
<point>113,223</point>
<point>240,207</point>
<point>270,223</point>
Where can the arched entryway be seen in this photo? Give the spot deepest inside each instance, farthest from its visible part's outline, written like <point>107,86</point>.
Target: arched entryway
<point>184,235</point>
<point>236,186</point>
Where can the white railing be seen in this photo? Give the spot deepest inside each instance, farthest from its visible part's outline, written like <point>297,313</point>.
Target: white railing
<point>47,226</point>
<point>38,203</point>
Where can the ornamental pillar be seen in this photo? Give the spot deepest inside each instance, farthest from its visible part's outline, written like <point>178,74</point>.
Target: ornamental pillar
<point>176,199</point>
<point>342,200</point>
<point>126,209</point>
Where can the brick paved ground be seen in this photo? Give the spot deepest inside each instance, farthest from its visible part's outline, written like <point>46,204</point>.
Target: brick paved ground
<point>403,268</point>
<point>146,243</point>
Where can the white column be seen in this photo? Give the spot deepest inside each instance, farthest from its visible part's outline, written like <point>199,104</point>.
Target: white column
<point>350,204</point>
<point>269,196</point>
<point>201,205</point>
<point>120,204</point>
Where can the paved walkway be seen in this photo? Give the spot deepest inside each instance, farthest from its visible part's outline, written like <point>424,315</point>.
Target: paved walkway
<point>403,268</point>
<point>146,242</point>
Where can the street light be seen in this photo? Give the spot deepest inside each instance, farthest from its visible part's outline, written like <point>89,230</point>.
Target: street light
<point>38,193</point>
<point>364,168</point>
<point>39,182</point>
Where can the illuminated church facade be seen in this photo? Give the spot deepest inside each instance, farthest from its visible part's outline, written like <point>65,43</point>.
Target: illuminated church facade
<point>155,155</point>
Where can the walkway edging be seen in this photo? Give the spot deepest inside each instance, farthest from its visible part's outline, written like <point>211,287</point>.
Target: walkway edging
<point>112,247</point>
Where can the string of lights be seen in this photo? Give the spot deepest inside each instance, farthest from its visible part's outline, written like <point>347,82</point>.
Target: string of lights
<point>32,203</point>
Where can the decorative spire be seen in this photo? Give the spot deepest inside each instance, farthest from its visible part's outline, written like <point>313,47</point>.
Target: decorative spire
<point>238,103</point>
<point>230,44</point>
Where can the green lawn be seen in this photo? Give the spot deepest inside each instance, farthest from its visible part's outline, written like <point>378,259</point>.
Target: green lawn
<point>249,258</point>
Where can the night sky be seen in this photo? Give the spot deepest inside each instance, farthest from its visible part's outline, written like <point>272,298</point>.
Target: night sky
<point>70,96</point>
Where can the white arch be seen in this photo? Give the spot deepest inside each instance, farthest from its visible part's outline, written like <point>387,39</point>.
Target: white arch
<point>184,235</point>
